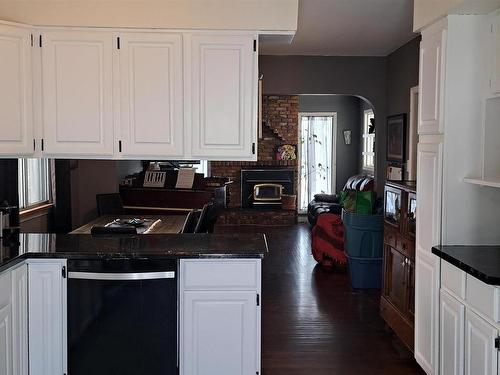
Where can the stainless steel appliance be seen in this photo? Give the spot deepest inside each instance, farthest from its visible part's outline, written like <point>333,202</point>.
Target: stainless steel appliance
<point>9,218</point>
<point>122,317</point>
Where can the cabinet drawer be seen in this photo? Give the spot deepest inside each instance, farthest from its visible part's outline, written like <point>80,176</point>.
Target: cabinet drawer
<point>453,279</point>
<point>484,298</point>
<point>206,274</point>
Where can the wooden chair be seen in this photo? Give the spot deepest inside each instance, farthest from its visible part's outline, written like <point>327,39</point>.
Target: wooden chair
<point>109,204</point>
<point>208,217</point>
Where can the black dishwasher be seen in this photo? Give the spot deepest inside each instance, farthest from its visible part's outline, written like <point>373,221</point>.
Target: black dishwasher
<point>122,317</point>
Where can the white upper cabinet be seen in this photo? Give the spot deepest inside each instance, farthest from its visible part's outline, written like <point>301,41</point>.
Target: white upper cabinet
<point>151,95</point>
<point>16,106</point>
<point>77,75</point>
<point>221,89</point>
<point>431,79</point>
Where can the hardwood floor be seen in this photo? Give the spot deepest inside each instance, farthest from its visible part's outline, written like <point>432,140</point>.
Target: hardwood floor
<point>313,322</point>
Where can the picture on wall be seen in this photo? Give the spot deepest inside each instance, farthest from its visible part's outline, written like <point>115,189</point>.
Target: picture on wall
<point>396,129</point>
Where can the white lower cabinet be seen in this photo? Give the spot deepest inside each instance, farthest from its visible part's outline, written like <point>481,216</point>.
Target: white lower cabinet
<point>481,356</point>
<point>20,320</point>
<point>47,317</point>
<point>220,324</point>
<point>5,325</point>
<point>452,317</point>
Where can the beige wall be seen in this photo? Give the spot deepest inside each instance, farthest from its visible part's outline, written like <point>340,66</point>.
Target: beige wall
<point>189,14</point>
<point>427,11</point>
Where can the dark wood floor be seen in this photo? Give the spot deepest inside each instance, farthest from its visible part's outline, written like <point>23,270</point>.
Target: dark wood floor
<point>313,322</point>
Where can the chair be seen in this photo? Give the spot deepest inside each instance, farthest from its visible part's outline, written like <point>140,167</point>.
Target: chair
<point>191,221</point>
<point>99,230</point>
<point>109,204</point>
<point>208,217</point>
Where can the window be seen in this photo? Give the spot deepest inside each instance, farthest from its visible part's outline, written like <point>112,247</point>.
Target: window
<point>368,153</point>
<point>317,152</point>
<point>34,182</point>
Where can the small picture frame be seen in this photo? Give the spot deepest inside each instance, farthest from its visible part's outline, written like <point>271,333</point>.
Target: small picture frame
<point>396,138</point>
<point>347,137</point>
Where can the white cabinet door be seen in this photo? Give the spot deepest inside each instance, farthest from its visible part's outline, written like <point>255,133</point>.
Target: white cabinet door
<point>47,318</point>
<point>20,320</point>
<point>480,352</point>
<point>77,93</point>
<point>427,311</point>
<point>151,94</point>
<point>219,333</point>
<point>222,96</point>
<point>5,324</point>
<point>16,105</point>
<point>452,329</point>
<point>495,55</point>
<point>431,79</point>
<point>429,188</point>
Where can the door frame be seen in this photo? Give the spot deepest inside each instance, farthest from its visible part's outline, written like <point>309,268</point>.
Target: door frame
<point>334,152</point>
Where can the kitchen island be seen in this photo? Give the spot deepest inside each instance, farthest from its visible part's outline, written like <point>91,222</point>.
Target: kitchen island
<point>212,291</point>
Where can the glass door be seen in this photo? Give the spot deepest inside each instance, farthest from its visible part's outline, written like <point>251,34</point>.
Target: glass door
<point>317,156</point>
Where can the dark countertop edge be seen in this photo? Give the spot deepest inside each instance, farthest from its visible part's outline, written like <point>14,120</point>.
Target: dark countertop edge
<point>125,256</point>
<point>490,280</point>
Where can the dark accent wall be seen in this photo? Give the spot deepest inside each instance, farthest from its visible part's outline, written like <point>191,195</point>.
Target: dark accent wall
<point>402,74</point>
<point>347,108</point>
<point>9,181</point>
<point>365,77</point>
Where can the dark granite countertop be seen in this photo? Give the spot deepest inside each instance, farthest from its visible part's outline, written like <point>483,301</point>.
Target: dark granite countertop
<point>482,262</point>
<point>16,248</point>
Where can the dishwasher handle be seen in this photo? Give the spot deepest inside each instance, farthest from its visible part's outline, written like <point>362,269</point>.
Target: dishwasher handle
<point>121,276</point>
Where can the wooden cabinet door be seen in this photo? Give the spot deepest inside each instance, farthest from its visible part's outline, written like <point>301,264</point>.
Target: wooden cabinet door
<point>47,318</point>
<point>222,94</point>
<point>5,325</point>
<point>16,105</point>
<point>480,352</point>
<point>77,93</point>
<point>431,79</point>
<point>20,320</point>
<point>410,283</point>
<point>220,333</point>
<point>151,119</point>
<point>395,278</point>
<point>427,311</point>
<point>452,329</point>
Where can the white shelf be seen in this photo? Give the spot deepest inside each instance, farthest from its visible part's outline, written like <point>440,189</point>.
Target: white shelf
<point>491,182</point>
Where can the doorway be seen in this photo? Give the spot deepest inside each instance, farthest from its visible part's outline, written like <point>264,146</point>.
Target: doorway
<point>317,155</point>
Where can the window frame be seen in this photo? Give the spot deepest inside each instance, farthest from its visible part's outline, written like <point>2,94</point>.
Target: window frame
<point>365,137</point>
<point>28,212</point>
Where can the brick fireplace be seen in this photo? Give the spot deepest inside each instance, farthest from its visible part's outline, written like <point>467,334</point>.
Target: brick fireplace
<point>280,126</point>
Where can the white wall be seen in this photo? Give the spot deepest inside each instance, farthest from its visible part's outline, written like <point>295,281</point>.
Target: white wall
<point>189,14</point>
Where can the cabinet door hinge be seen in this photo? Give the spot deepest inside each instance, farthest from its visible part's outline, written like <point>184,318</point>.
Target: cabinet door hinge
<point>119,146</point>
<point>63,272</point>
<point>255,45</point>
<point>253,148</point>
<point>258,299</point>
<point>497,343</point>
<point>40,41</point>
<point>118,42</point>
<point>31,40</point>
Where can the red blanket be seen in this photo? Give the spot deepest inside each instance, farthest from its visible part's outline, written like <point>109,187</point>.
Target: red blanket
<point>328,240</point>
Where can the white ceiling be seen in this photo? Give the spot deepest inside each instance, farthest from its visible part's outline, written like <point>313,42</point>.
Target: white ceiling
<point>348,28</point>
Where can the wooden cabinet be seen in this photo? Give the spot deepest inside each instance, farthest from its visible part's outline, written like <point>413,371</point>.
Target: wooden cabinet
<point>220,317</point>
<point>16,105</point>
<point>397,300</point>
<point>151,95</point>
<point>452,323</point>
<point>77,77</point>
<point>47,317</point>
<point>481,356</point>
<point>431,79</point>
<point>20,320</point>
<point>5,324</point>
<point>221,92</point>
